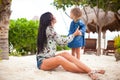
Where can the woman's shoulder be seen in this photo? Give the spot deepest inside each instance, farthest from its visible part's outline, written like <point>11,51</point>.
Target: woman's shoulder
<point>49,28</point>
<point>50,31</point>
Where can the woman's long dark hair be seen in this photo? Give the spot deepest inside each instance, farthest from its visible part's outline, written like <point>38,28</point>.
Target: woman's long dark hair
<point>44,22</point>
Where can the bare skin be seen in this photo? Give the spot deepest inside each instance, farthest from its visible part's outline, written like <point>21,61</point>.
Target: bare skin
<point>76,52</point>
<point>69,63</point>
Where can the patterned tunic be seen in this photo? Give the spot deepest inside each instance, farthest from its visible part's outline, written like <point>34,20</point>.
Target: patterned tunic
<point>52,40</point>
<point>79,41</point>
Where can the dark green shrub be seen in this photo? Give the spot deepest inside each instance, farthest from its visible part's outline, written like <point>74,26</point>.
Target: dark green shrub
<point>23,34</point>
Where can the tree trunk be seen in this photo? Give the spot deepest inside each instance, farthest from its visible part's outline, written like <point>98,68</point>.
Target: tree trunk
<point>99,41</point>
<point>4,27</point>
<point>98,30</point>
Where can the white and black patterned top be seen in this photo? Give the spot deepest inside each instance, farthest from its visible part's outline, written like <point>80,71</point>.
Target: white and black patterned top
<point>52,40</point>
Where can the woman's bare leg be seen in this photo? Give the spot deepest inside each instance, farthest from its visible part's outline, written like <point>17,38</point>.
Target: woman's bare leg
<point>78,53</point>
<point>73,52</point>
<point>54,62</point>
<point>67,63</point>
<point>82,66</point>
<point>74,60</point>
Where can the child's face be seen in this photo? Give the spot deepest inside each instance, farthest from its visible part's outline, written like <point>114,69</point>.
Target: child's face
<point>71,15</point>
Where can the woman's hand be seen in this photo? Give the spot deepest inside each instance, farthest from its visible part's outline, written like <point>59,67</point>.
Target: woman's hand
<point>77,32</point>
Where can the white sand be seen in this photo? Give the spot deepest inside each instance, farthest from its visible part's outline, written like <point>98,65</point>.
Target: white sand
<point>24,68</point>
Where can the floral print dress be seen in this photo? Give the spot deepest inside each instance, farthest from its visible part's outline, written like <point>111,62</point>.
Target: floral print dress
<point>52,40</point>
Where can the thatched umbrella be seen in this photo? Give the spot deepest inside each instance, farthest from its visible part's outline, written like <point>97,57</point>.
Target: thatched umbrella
<point>114,25</point>
<point>102,22</point>
<point>108,21</point>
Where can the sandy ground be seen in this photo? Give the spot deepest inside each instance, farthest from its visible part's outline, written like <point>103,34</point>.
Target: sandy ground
<point>24,68</point>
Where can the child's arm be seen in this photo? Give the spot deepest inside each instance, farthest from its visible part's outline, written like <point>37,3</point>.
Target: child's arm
<point>82,27</point>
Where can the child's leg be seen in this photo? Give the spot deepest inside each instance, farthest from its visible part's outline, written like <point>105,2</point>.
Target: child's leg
<point>73,51</point>
<point>78,53</point>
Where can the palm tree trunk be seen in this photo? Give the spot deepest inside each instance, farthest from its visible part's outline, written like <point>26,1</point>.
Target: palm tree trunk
<point>4,27</point>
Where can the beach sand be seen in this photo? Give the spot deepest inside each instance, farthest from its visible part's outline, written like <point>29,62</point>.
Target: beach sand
<point>24,68</point>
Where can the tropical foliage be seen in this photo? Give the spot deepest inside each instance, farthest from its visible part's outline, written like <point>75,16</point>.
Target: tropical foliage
<point>22,35</point>
<point>112,5</point>
<point>117,43</point>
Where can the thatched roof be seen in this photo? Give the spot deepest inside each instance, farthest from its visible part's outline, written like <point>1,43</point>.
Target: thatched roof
<point>108,21</point>
<point>113,26</point>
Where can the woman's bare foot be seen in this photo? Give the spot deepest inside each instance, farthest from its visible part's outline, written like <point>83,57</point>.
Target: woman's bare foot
<point>100,71</point>
<point>93,75</point>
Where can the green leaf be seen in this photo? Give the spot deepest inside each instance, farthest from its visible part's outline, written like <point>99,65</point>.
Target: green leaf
<point>23,34</point>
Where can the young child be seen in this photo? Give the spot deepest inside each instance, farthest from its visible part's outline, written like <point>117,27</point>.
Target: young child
<point>79,41</point>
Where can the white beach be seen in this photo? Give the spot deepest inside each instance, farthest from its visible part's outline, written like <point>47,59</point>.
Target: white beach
<point>24,68</point>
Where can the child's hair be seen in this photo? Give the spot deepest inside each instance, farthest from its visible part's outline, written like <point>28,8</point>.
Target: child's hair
<point>76,12</point>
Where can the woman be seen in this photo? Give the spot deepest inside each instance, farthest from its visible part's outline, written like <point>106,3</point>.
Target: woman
<point>46,49</point>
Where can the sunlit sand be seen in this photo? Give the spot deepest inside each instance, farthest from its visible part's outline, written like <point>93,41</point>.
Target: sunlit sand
<point>24,68</point>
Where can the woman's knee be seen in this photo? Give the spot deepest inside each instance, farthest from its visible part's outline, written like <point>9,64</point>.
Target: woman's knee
<point>65,53</point>
<point>59,58</point>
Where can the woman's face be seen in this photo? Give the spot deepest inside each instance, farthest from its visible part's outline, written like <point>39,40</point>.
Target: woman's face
<point>53,21</point>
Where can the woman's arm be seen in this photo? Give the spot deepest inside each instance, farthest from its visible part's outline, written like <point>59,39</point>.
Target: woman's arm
<point>63,40</point>
<point>50,32</point>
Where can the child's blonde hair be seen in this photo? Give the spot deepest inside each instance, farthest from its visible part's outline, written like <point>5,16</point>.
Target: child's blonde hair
<point>76,12</point>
